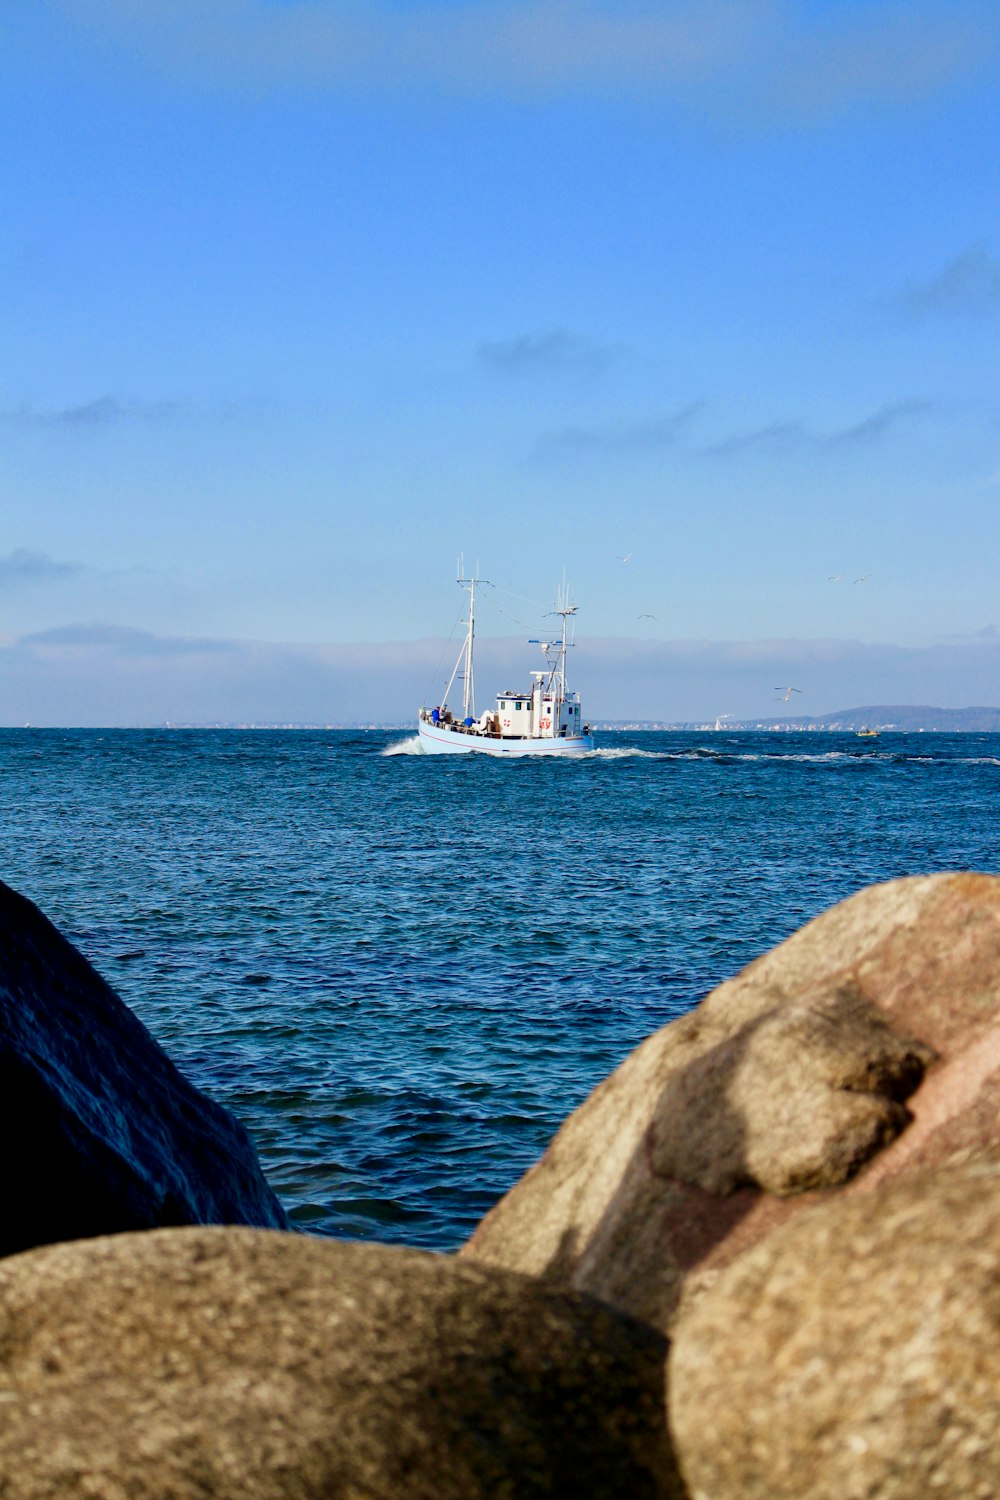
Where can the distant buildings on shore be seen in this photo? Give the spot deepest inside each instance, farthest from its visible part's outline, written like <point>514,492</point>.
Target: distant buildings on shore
<point>886,718</point>
<point>903,718</point>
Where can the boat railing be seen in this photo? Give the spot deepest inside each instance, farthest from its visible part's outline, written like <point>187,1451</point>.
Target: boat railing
<point>445,720</point>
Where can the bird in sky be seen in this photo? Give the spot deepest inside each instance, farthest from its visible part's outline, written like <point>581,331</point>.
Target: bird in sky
<point>863,579</point>
<point>835,578</point>
<point>787,692</point>
<point>625,558</point>
<point>645,617</point>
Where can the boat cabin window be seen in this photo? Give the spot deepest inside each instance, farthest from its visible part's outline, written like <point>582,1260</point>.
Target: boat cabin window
<point>503,703</point>
<point>518,704</point>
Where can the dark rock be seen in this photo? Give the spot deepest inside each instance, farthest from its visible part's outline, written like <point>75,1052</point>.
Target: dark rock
<point>800,1076</point>
<point>101,1132</point>
<point>854,1353</point>
<point>230,1364</point>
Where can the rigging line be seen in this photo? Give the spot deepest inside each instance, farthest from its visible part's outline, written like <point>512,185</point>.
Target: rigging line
<point>506,613</point>
<point>523,597</point>
<point>437,670</point>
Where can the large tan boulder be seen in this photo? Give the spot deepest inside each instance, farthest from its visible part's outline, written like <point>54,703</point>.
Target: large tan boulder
<point>799,1076</point>
<point>854,1354</point>
<point>236,1364</point>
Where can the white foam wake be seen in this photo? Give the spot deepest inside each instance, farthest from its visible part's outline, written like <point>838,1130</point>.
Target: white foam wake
<point>410,746</point>
<point>625,752</point>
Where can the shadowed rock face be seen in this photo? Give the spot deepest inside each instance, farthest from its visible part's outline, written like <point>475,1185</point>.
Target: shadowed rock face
<point>855,1352</point>
<point>101,1132</point>
<point>801,1075</point>
<point>231,1364</point>
<point>798,1098</point>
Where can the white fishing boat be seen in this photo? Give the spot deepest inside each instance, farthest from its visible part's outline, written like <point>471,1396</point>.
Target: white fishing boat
<point>545,720</point>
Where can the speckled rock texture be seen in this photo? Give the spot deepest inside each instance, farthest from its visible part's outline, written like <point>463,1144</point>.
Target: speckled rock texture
<point>854,1354</point>
<point>236,1364</point>
<point>100,1131</point>
<point>863,1049</point>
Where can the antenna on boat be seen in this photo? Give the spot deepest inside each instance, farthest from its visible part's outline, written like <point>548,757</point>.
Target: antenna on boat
<point>565,609</point>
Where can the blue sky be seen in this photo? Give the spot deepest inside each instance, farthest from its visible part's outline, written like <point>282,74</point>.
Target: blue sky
<point>302,299</point>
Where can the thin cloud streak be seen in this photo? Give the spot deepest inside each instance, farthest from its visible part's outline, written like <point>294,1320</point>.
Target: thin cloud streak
<point>780,436</point>
<point>878,424</point>
<point>987,636</point>
<point>792,434</point>
<point>103,411</point>
<point>24,567</point>
<point>968,284</point>
<point>776,435</point>
<point>120,640</point>
<point>108,674</point>
<point>558,351</point>
<point>752,58</point>
<point>621,437</point>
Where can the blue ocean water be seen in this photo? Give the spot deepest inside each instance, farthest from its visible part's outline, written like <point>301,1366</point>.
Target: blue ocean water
<point>402,972</point>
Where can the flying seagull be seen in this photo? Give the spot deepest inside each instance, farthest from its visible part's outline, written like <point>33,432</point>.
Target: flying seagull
<point>625,558</point>
<point>835,578</point>
<point>645,617</point>
<point>787,692</point>
<point>863,579</point>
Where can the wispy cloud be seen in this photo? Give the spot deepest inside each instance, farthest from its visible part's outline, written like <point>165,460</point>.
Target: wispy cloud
<point>878,423</point>
<point>103,411</point>
<point>988,636</point>
<point>23,567</point>
<point>107,674</point>
<point>787,435</point>
<point>968,284</point>
<point>783,435</point>
<point>558,351</point>
<point>696,677</point>
<point>781,58</point>
<point>621,437</point>
<point>528,44</point>
<point>121,640</point>
<point>774,435</point>
<point>813,62</point>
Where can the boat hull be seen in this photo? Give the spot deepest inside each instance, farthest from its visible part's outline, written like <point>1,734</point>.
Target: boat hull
<point>435,739</point>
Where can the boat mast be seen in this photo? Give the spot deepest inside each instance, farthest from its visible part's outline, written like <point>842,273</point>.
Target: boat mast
<point>468,679</point>
<point>465,656</point>
<point>565,610</point>
<point>557,669</point>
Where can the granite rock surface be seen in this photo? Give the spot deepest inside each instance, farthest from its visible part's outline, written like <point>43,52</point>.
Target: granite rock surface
<point>101,1132</point>
<point>864,1048</point>
<point>854,1354</point>
<point>236,1364</point>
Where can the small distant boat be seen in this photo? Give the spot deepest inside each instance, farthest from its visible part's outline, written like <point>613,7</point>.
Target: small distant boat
<point>867,734</point>
<point>545,720</point>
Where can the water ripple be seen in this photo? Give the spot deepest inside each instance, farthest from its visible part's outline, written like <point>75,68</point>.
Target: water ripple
<point>403,971</point>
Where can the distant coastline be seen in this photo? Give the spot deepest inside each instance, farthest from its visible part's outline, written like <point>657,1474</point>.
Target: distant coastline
<point>903,718</point>
<point>886,718</point>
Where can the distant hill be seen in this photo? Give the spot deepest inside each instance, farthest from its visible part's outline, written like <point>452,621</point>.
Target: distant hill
<point>912,718</point>
<point>906,717</point>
